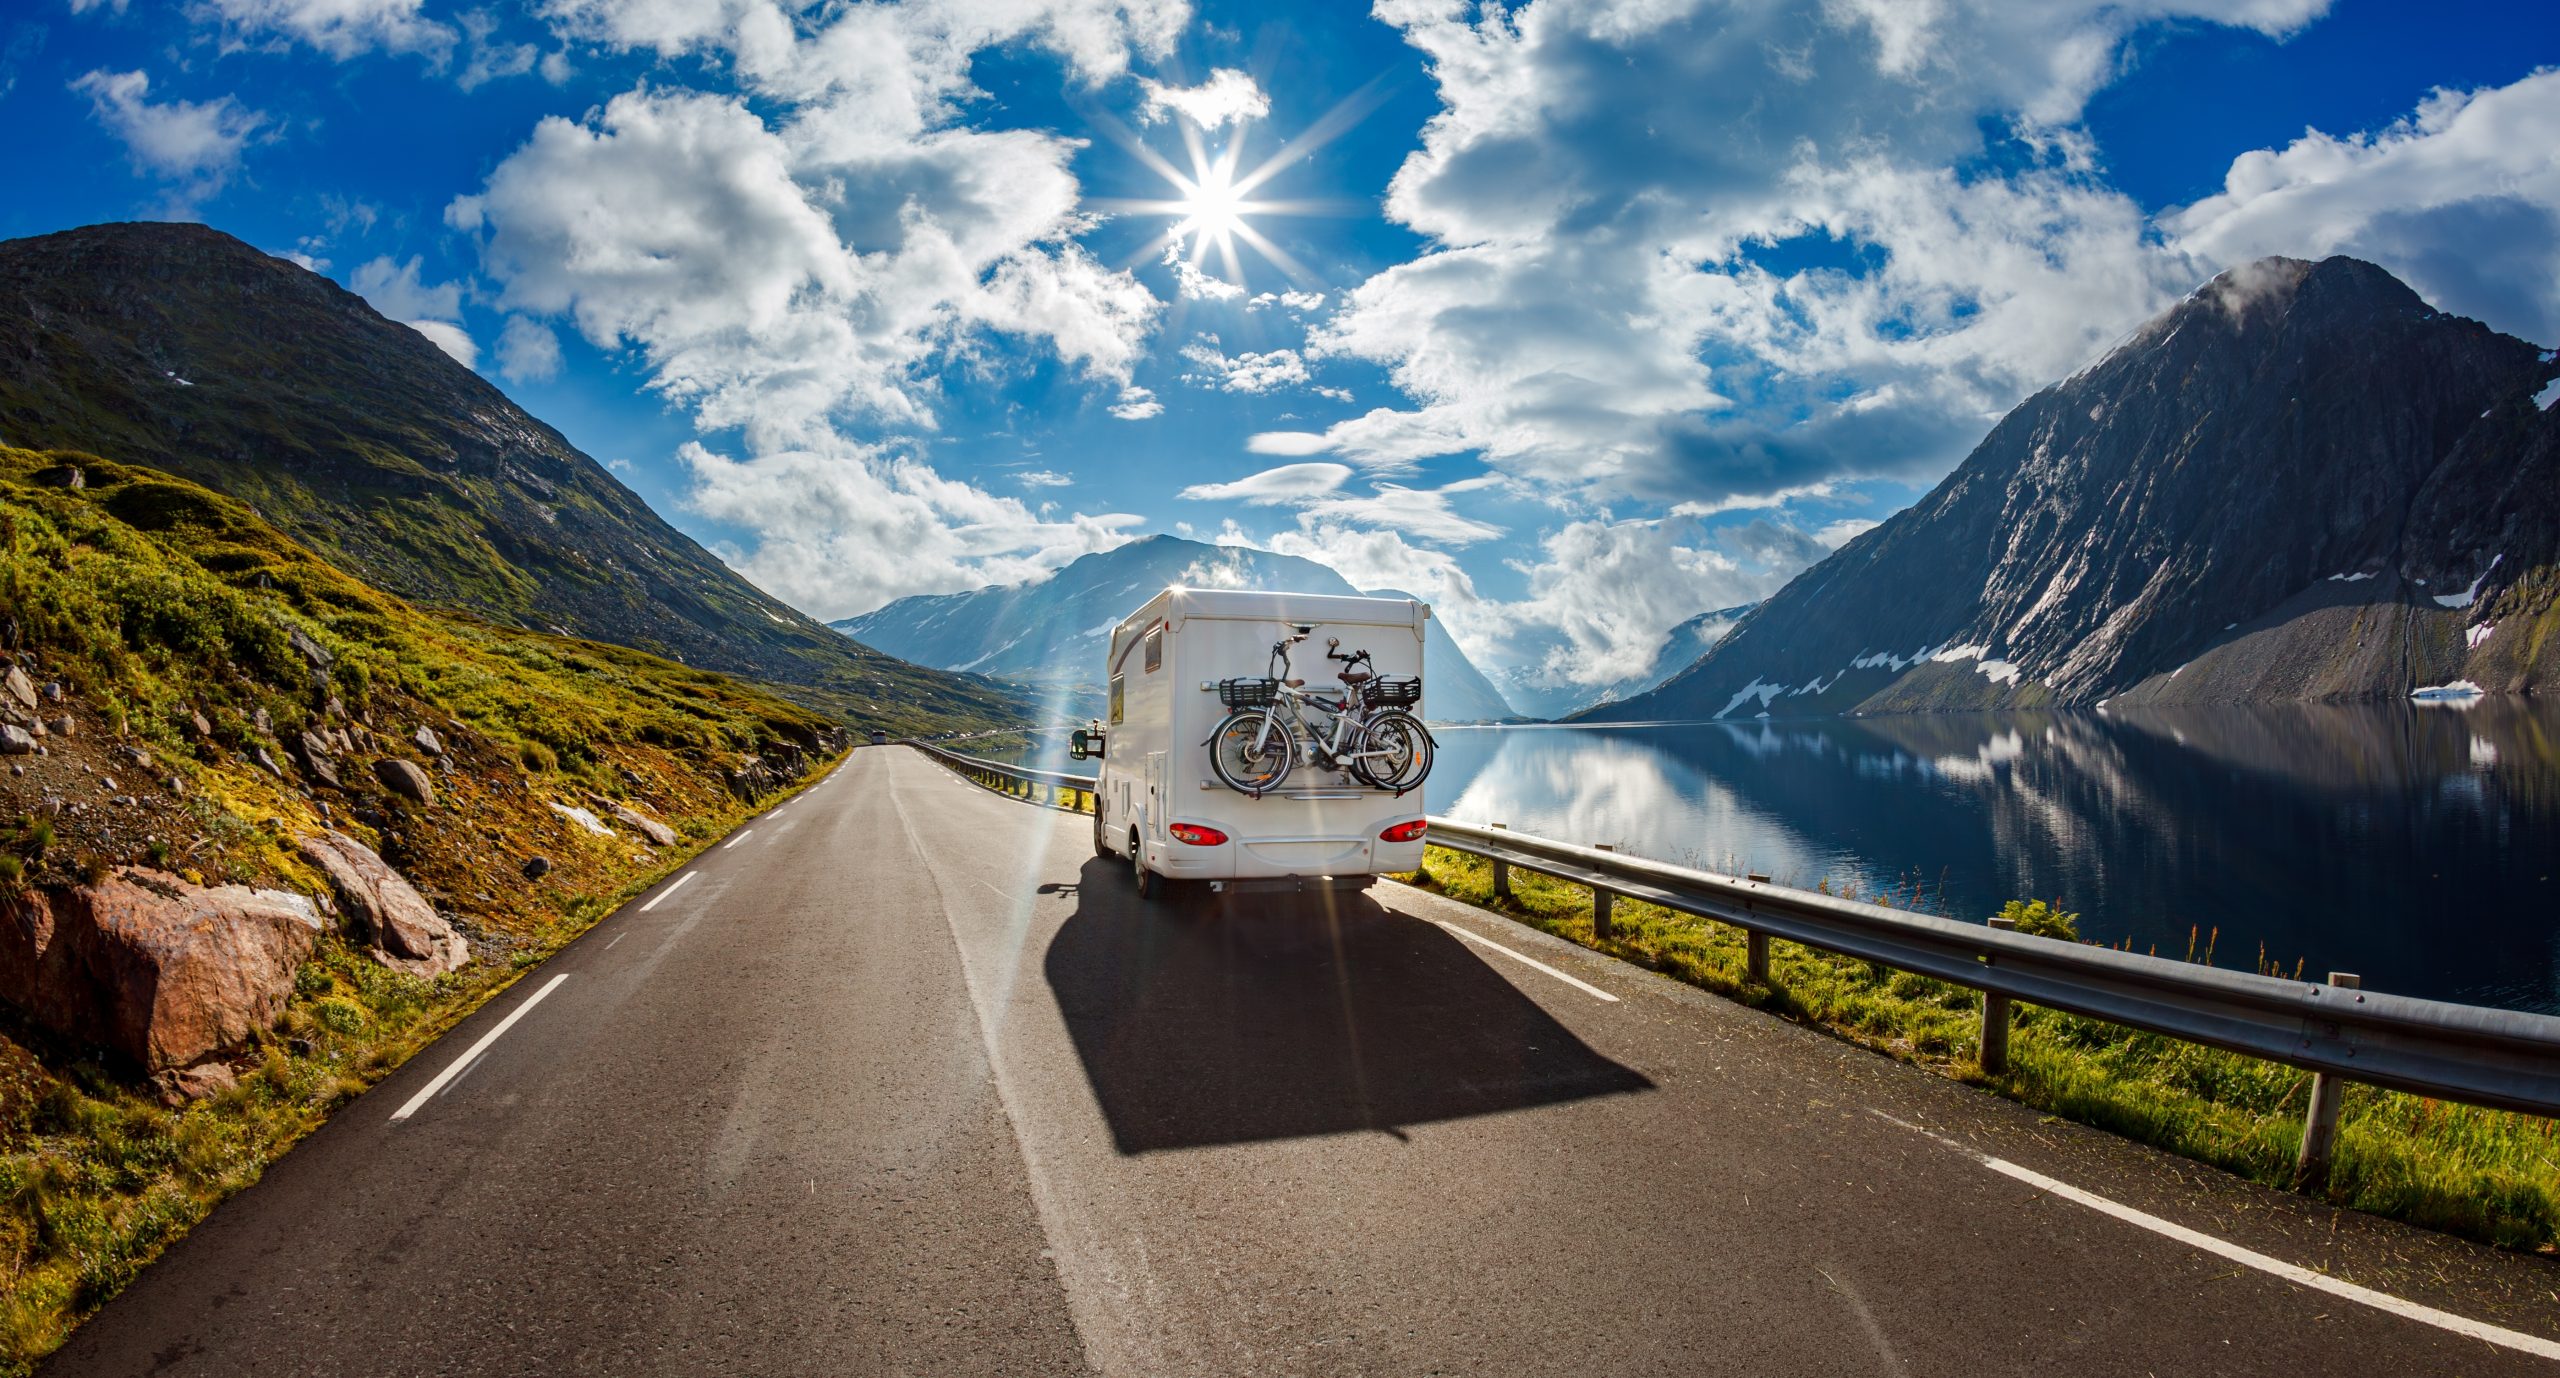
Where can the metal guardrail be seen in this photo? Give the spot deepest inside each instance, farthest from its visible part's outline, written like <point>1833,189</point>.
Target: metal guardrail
<point>2506,1059</point>
<point>1074,793</point>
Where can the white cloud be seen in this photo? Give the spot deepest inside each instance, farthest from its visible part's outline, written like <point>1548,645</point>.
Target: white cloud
<point>1423,513</point>
<point>193,144</point>
<point>1667,237</point>
<point>343,29</point>
<point>1190,282</point>
<point>1227,95</point>
<point>1043,478</point>
<point>1137,404</point>
<point>528,352</point>
<point>2461,200</point>
<point>814,248</point>
<point>400,291</point>
<point>450,338</point>
<point>491,61</point>
<point>842,529</point>
<point>1301,302</point>
<point>1249,372</point>
<point>1288,483</point>
<point>1288,443</point>
<point>1837,534</point>
<point>1601,597</point>
<point>781,279</point>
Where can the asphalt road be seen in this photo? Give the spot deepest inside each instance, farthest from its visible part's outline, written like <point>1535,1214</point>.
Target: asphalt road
<point>902,1080</point>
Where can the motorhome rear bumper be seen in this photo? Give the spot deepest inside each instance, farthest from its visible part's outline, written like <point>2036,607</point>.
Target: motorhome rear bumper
<point>1291,885</point>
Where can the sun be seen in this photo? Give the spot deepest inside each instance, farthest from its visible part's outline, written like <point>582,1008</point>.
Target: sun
<point>1213,205</point>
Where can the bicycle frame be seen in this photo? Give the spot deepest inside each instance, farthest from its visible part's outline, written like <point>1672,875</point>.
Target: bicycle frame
<point>1344,715</point>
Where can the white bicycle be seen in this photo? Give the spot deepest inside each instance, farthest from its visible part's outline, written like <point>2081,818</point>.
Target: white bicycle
<point>1368,732</point>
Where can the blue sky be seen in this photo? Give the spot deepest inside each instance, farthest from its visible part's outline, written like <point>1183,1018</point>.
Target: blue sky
<point>1587,315</point>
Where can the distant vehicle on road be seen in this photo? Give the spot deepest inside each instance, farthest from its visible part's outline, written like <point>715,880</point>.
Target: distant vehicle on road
<point>1223,765</point>
<point>879,737</point>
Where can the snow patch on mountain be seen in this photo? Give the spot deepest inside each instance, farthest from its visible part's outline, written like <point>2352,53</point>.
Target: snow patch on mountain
<point>1755,689</point>
<point>2463,599</point>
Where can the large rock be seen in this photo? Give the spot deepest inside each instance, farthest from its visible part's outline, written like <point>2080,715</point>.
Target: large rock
<point>405,778</point>
<point>20,689</point>
<point>640,823</point>
<point>165,972</point>
<point>15,740</point>
<point>312,754</point>
<point>406,932</point>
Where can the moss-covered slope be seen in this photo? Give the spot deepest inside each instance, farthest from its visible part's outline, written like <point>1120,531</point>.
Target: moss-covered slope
<point>180,347</point>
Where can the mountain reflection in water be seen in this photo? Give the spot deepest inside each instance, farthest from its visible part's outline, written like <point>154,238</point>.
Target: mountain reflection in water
<point>2415,846</point>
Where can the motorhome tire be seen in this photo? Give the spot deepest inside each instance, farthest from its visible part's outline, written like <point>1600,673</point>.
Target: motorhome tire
<point>1101,832</point>
<point>1150,885</point>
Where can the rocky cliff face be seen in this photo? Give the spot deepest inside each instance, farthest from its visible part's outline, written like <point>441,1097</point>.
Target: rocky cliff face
<point>1054,631</point>
<point>182,348</point>
<point>2299,483</point>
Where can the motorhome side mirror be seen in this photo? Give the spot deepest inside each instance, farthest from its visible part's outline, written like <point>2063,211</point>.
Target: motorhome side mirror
<point>1083,745</point>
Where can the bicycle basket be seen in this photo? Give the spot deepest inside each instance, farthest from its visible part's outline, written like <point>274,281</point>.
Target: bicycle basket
<point>1248,693</point>
<point>1393,691</point>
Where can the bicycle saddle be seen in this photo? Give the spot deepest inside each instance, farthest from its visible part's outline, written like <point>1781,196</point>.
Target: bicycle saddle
<point>1295,683</point>
<point>1356,676</point>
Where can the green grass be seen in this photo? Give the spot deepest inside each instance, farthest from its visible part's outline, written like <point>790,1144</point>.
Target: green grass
<point>2487,1175</point>
<point>151,600</point>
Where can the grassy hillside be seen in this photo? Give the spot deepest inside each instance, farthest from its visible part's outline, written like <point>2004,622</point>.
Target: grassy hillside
<point>183,348</point>
<point>152,601</point>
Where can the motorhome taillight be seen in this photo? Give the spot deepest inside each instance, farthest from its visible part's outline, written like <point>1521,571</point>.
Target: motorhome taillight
<point>1196,835</point>
<point>1405,832</point>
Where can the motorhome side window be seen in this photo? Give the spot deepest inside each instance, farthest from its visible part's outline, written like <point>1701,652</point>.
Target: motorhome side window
<point>1155,650</point>
<point>1118,682</point>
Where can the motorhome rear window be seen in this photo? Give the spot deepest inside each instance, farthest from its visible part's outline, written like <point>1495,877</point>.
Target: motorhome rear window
<point>1155,650</point>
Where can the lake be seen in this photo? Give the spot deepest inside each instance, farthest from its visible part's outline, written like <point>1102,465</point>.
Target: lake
<point>2416,846</point>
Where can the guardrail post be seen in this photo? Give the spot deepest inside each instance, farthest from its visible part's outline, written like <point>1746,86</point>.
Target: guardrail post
<point>1995,1023</point>
<point>1501,872</point>
<point>1755,956</point>
<point>1603,903</point>
<point>2320,1125</point>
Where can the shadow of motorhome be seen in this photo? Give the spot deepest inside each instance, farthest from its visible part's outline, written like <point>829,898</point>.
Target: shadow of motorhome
<point>1275,1017</point>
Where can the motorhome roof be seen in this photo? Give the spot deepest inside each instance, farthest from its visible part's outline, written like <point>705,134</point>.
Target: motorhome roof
<point>1177,604</point>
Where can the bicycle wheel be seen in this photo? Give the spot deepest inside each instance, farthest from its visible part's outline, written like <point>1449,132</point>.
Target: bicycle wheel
<point>1395,752</point>
<point>1252,751</point>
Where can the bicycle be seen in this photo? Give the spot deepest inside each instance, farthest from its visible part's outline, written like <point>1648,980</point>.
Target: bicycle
<point>1371,735</point>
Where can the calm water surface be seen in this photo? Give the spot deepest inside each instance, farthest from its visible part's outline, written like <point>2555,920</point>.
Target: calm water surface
<point>2415,846</point>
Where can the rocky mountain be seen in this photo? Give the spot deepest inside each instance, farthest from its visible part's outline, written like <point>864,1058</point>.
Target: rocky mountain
<point>182,348</point>
<point>2300,482</point>
<point>1053,632</point>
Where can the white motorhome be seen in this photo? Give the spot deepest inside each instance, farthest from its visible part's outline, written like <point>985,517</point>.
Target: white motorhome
<point>1160,805</point>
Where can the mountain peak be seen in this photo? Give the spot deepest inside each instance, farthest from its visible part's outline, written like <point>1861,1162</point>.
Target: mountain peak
<point>2297,461</point>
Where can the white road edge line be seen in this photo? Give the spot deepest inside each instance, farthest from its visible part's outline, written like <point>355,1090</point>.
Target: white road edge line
<point>2251,1258</point>
<point>476,1049</point>
<point>662,895</point>
<point>732,842</point>
<point>1574,981</point>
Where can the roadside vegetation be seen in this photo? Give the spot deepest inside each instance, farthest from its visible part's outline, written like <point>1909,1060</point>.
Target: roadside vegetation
<point>190,643</point>
<point>2488,1175</point>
